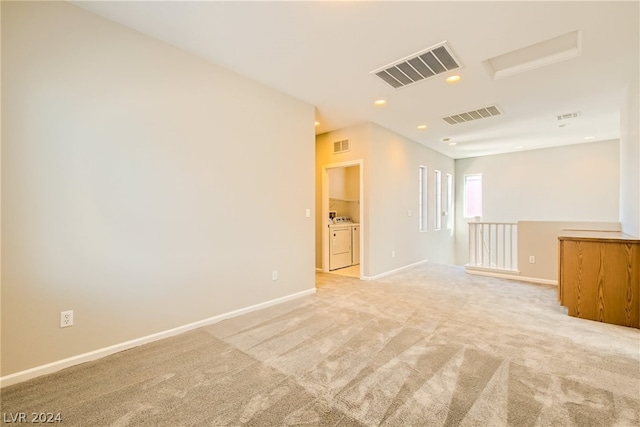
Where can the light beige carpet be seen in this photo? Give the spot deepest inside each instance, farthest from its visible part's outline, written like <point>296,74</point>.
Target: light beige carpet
<point>428,346</point>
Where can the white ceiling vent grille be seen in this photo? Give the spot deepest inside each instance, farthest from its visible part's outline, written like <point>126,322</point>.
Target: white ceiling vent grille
<point>468,116</point>
<point>569,116</point>
<point>420,66</point>
<point>341,146</point>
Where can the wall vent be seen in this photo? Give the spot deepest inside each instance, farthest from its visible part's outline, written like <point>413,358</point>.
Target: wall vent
<point>341,146</point>
<point>569,116</point>
<point>468,116</point>
<point>420,66</point>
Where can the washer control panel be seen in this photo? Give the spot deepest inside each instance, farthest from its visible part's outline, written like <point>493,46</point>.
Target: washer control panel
<point>342,220</point>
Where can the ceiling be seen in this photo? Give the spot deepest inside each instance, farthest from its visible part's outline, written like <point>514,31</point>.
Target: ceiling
<point>323,53</point>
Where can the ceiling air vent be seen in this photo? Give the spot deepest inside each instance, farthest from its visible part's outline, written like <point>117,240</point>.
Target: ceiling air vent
<point>423,65</point>
<point>468,116</point>
<point>341,146</point>
<point>569,116</point>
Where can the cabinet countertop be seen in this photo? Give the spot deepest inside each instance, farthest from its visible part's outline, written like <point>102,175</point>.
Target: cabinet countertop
<point>610,236</point>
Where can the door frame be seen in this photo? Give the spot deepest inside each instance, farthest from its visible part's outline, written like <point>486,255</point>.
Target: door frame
<point>325,211</point>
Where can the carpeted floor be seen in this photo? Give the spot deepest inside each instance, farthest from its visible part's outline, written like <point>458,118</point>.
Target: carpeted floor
<point>428,346</point>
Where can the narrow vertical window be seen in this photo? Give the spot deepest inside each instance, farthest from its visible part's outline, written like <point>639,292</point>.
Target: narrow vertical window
<point>438,219</point>
<point>472,195</point>
<point>449,206</point>
<point>422,198</point>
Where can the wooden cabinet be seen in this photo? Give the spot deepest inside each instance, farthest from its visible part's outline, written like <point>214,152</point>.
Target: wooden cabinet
<point>599,276</point>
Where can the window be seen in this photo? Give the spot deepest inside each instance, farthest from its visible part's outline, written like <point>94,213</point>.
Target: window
<point>449,205</point>
<point>438,222</point>
<point>472,195</point>
<point>422,198</point>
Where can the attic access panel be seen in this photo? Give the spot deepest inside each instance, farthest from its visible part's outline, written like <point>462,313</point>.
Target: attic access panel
<point>420,66</point>
<point>547,52</point>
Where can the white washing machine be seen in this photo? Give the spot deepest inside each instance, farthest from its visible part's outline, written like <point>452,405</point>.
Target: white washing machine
<point>340,243</point>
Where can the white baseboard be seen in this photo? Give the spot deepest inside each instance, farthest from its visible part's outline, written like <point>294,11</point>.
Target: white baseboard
<point>394,271</point>
<point>52,367</point>
<point>515,276</point>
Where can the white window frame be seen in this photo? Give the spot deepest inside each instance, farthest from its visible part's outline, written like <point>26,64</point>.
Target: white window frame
<point>438,200</point>
<point>422,198</point>
<point>467,177</point>
<point>449,205</point>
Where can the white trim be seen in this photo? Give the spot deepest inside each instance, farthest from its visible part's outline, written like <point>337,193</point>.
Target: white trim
<point>515,276</point>
<point>106,351</point>
<point>396,270</point>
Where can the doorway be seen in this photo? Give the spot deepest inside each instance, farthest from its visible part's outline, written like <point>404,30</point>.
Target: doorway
<point>343,197</point>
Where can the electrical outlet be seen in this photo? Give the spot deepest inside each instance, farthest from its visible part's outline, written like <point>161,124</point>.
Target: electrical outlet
<point>66,318</point>
<point>274,275</point>
<point>532,259</point>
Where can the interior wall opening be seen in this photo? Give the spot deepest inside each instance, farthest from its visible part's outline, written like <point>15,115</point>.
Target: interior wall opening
<point>343,219</point>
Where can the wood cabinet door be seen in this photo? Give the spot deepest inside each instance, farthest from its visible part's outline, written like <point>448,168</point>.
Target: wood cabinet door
<point>601,281</point>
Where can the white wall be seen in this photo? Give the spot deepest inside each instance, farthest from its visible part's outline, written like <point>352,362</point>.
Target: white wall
<point>540,239</point>
<point>390,164</point>
<point>360,137</point>
<point>344,191</point>
<point>396,161</point>
<point>140,186</point>
<point>576,183</point>
<point>344,183</point>
<point>630,160</point>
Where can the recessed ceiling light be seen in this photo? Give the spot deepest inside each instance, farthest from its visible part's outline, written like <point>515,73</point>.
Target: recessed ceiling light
<point>445,139</point>
<point>380,102</point>
<point>453,79</point>
<point>317,123</point>
<point>422,127</point>
<point>589,137</point>
<point>452,143</point>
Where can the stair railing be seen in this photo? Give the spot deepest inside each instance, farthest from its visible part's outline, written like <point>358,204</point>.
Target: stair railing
<point>493,245</point>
